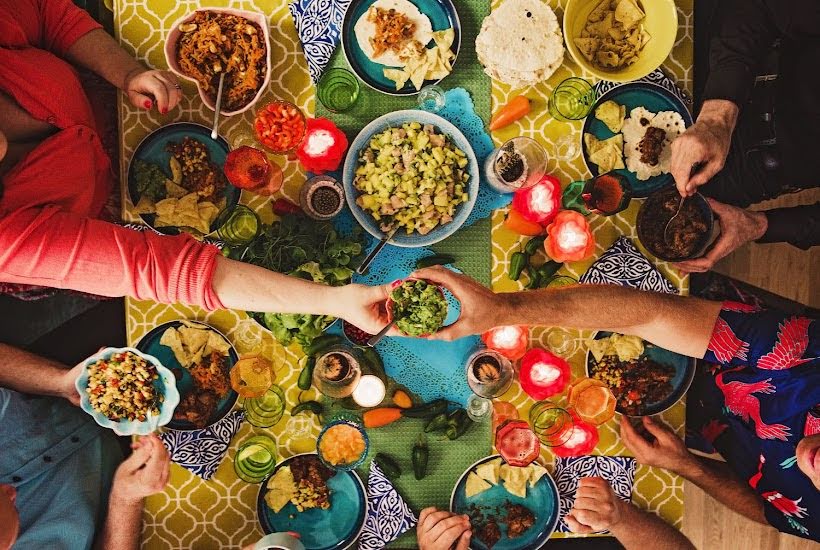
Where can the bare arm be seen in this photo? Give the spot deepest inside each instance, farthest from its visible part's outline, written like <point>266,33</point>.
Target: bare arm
<point>28,373</point>
<point>638,526</point>
<point>677,323</point>
<point>100,53</point>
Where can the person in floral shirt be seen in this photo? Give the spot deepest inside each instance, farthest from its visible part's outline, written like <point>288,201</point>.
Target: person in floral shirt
<point>758,403</point>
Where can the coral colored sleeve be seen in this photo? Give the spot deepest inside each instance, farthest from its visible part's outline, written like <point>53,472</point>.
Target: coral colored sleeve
<point>62,23</point>
<point>49,247</point>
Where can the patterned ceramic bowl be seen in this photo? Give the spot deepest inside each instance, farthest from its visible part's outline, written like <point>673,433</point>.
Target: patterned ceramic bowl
<point>350,465</point>
<point>165,385</point>
<point>173,65</point>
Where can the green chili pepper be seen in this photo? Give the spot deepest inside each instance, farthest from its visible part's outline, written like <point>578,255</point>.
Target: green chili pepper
<point>437,423</point>
<point>546,271</point>
<point>426,410</point>
<point>373,360</point>
<point>436,259</point>
<point>388,465</point>
<point>421,454</point>
<point>306,376</point>
<point>535,278</point>
<point>518,262</point>
<point>534,245</point>
<point>312,406</point>
<point>457,423</point>
<point>322,343</point>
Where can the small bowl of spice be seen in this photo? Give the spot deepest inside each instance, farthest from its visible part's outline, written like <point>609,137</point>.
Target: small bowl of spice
<point>321,198</point>
<point>489,374</point>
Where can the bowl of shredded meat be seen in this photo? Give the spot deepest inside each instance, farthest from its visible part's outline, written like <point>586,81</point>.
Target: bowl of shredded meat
<point>210,42</point>
<point>690,233</point>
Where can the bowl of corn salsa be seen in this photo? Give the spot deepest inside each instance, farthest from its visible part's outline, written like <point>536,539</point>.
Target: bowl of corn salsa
<point>127,390</point>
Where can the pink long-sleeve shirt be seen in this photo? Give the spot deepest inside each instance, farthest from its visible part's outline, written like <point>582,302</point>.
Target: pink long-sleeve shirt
<point>48,232</point>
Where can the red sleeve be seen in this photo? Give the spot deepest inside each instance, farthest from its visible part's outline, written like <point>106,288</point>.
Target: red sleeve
<point>49,247</point>
<point>62,23</point>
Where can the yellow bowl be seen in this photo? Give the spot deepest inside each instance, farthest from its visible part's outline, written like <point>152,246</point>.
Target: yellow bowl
<point>661,22</point>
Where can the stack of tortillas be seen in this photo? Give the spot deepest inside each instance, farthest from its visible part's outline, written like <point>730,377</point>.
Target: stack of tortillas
<point>520,43</point>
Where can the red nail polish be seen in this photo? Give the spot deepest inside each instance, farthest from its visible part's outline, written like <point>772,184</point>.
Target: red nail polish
<point>164,111</point>
<point>148,103</point>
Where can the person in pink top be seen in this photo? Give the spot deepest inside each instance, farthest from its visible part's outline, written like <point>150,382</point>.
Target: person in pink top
<point>55,178</point>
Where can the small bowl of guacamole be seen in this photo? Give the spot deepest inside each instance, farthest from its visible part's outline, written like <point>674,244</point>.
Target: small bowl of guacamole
<point>418,307</point>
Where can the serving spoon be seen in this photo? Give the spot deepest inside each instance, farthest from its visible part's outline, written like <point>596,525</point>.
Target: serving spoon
<point>376,338</point>
<point>214,130</point>
<point>362,269</point>
<point>694,170</point>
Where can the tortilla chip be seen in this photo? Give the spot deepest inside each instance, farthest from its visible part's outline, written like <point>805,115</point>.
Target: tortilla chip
<point>176,170</point>
<point>208,212</point>
<point>216,343</point>
<point>628,13</point>
<point>536,473</point>
<point>600,348</point>
<point>418,76</point>
<point>282,488</point>
<point>588,47</point>
<point>194,340</point>
<point>608,154</point>
<point>174,191</point>
<point>627,348</point>
<point>607,59</point>
<point>611,114</point>
<point>444,38</point>
<point>599,11</point>
<point>171,339</point>
<point>475,485</point>
<point>517,487</point>
<point>398,76</point>
<point>145,206</point>
<point>489,471</point>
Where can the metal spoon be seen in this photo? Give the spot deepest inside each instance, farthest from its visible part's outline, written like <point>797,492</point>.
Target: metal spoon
<point>362,269</point>
<point>214,133</point>
<point>376,338</point>
<point>669,223</point>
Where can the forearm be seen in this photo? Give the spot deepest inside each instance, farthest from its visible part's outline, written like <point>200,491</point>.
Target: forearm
<point>252,288</point>
<point>719,112</point>
<point>123,522</point>
<point>719,482</point>
<point>637,528</point>
<point>28,373</point>
<point>679,324</point>
<point>797,225</point>
<point>100,53</point>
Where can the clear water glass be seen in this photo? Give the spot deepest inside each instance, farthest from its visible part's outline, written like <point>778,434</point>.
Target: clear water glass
<point>565,148</point>
<point>431,98</point>
<point>518,164</point>
<point>479,408</point>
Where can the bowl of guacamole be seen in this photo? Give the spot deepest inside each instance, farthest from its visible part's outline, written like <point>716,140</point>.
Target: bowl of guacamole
<point>418,307</point>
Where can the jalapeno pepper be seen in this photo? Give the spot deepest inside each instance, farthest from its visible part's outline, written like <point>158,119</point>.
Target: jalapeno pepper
<point>421,454</point>
<point>518,261</point>
<point>427,410</point>
<point>374,362</point>
<point>436,259</point>
<point>306,376</point>
<point>457,423</point>
<point>546,271</point>
<point>312,406</point>
<point>535,278</point>
<point>534,245</point>
<point>388,465</point>
<point>437,423</point>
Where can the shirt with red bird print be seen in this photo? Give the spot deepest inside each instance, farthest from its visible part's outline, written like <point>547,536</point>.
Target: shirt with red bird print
<point>759,399</point>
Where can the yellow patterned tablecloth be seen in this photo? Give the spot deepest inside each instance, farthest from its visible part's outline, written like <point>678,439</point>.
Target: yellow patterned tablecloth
<point>221,513</point>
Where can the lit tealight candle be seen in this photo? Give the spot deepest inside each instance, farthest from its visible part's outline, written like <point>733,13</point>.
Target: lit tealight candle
<point>370,391</point>
<point>569,238</point>
<point>543,374</point>
<point>510,341</point>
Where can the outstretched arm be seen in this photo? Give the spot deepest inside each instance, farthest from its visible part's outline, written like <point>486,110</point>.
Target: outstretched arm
<point>680,324</point>
<point>28,373</point>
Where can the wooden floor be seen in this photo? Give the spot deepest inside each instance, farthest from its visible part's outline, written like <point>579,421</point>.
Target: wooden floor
<point>794,274</point>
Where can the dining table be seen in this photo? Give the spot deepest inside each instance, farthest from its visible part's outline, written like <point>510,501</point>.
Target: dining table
<point>221,512</point>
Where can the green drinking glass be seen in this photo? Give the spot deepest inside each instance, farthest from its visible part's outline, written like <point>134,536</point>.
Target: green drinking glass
<point>255,459</point>
<point>267,410</point>
<point>338,90</point>
<point>572,99</point>
<point>238,226</point>
<point>551,423</point>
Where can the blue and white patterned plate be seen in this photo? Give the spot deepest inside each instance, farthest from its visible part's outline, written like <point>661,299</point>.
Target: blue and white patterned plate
<point>336,528</point>
<point>542,500</point>
<point>395,120</point>
<point>388,515</point>
<point>618,471</point>
<point>319,26</point>
<point>623,264</point>
<point>150,343</point>
<point>201,451</point>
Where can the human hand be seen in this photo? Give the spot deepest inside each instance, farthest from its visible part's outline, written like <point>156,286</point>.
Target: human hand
<point>666,451</point>
<point>68,389</point>
<point>143,84</point>
<point>596,508</point>
<point>144,473</point>
<point>442,530</point>
<point>737,227</point>
<point>704,144</point>
<point>364,306</point>
<point>480,306</point>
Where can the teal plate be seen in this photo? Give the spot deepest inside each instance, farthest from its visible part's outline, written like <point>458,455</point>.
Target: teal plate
<point>542,500</point>
<point>442,14</point>
<point>684,373</point>
<point>333,529</point>
<point>185,384</point>
<point>152,149</point>
<point>636,94</point>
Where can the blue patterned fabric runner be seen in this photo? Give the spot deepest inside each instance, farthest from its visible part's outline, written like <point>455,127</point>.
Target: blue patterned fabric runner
<point>319,25</point>
<point>623,264</point>
<point>201,451</point>
<point>430,368</point>
<point>618,471</point>
<point>388,516</point>
<point>657,77</point>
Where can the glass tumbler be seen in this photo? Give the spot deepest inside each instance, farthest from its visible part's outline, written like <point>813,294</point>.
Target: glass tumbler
<point>338,90</point>
<point>572,99</point>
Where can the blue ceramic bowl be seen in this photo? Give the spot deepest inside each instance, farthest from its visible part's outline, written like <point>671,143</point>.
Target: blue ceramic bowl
<point>333,529</point>
<point>684,374</point>
<point>165,385</point>
<point>442,14</point>
<point>395,120</point>
<point>542,500</point>
<point>636,94</point>
<point>351,465</point>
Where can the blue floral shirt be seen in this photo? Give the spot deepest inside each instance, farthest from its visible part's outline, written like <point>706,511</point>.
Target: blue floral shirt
<point>761,397</point>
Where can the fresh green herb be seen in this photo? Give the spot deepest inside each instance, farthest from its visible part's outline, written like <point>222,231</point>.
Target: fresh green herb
<point>150,180</point>
<point>419,308</point>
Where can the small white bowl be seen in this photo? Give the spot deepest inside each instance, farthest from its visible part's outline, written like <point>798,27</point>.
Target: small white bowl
<point>171,58</point>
